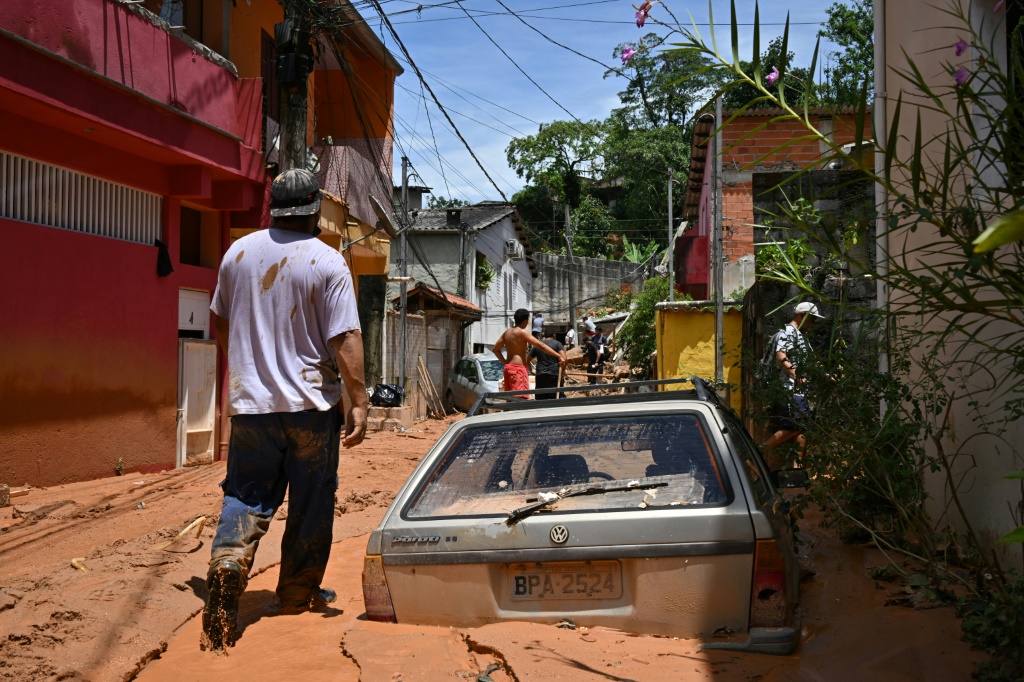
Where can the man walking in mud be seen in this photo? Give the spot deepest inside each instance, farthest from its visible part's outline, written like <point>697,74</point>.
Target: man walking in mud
<point>792,410</point>
<point>286,319</point>
<point>511,349</point>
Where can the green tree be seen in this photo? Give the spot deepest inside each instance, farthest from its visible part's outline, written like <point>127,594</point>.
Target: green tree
<point>852,27</point>
<point>592,223</point>
<point>741,94</point>
<point>556,155</point>
<point>657,94</point>
<point>440,202</point>
<point>637,337</point>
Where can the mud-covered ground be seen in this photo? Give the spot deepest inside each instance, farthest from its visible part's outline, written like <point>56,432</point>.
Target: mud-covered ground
<point>131,612</point>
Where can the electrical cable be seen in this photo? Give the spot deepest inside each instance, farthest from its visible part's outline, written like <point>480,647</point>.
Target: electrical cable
<point>516,64</point>
<point>398,39</point>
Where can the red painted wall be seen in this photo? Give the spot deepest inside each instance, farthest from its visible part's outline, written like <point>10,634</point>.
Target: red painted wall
<point>113,41</point>
<point>88,364</point>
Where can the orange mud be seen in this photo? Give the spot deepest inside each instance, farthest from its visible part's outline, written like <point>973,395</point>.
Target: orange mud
<point>134,613</point>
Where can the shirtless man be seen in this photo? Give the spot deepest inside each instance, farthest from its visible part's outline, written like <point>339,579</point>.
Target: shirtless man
<point>511,350</point>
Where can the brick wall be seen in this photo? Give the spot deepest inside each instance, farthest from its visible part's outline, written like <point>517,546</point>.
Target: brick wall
<point>742,158</point>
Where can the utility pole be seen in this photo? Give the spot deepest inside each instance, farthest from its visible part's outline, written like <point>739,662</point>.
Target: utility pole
<point>571,269</point>
<point>462,259</point>
<point>403,287</point>
<point>294,62</point>
<point>671,244</point>
<point>717,250</point>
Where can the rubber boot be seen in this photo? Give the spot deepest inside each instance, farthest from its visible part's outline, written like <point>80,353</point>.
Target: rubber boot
<point>220,617</point>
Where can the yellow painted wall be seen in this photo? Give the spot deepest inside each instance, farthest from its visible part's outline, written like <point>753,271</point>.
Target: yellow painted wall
<point>686,346</point>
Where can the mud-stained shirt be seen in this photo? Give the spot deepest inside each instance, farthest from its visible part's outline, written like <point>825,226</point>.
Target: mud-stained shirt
<point>285,296</point>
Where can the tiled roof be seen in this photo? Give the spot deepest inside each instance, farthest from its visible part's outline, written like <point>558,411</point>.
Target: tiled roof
<point>475,217</point>
<point>453,300</point>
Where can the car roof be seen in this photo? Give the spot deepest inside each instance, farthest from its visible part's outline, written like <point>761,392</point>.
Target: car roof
<point>703,392</point>
<point>481,356</point>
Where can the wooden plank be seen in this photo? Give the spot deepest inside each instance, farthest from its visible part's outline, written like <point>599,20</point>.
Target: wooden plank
<point>430,383</point>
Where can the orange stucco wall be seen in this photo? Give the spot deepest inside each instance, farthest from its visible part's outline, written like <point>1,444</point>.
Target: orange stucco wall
<point>344,105</point>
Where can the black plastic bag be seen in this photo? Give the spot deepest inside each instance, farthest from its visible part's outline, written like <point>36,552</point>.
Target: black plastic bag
<point>387,395</point>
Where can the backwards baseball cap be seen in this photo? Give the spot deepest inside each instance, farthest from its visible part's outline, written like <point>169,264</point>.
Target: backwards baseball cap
<point>294,192</point>
<point>807,309</point>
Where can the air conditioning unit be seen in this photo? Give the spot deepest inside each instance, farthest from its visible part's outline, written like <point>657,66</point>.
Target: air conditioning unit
<point>513,249</point>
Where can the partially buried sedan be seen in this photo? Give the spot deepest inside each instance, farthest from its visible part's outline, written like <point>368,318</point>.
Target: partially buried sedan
<point>648,512</point>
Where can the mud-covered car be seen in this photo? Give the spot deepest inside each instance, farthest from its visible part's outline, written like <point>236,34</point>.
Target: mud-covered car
<point>648,512</point>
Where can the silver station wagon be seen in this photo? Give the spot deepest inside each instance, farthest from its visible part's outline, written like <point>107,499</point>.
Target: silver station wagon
<point>647,512</point>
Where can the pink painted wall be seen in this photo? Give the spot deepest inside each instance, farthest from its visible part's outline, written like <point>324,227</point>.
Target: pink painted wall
<point>115,42</point>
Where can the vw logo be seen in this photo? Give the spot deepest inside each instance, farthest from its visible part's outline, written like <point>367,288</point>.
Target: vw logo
<point>559,534</point>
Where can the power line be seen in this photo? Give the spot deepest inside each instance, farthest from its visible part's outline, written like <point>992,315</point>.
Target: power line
<point>398,39</point>
<point>514,63</point>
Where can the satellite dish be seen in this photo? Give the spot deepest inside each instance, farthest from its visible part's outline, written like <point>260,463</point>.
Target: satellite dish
<point>383,221</point>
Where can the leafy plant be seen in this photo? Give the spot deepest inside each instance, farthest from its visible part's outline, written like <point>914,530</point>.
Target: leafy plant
<point>953,324</point>
<point>637,338</point>
<point>995,625</point>
<point>634,253</point>
<point>485,273</point>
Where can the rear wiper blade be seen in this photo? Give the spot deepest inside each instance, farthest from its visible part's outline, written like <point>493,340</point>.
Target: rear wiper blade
<point>521,513</point>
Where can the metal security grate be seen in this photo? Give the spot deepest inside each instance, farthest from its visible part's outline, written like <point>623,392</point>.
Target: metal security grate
<point>35,192</point>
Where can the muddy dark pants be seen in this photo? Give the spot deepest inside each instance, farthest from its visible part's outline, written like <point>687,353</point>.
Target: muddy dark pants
<point>268,454</point>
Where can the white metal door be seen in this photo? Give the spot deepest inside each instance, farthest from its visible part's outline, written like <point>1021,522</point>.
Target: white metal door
<point>197,392</point>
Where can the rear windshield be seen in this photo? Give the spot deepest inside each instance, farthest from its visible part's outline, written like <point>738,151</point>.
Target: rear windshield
<point>492,370</point>
<point>495,469</point>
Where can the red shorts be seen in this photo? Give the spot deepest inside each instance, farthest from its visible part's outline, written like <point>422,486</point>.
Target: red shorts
<point>516,378</point>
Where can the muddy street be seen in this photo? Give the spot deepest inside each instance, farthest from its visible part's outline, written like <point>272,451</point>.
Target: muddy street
<point>126,609</point>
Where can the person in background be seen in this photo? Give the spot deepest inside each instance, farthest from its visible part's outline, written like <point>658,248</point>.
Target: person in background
<point>791,349</point>
<point>570,338</point>
<point>549,369</point>
<point>602,351</point>
<point>511,350</point>
<point>588,325</point>
<point>538,325</point>
<point>286,320</point>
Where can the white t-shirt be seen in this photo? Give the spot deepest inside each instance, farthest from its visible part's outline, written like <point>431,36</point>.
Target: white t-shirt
<point>570,336</point>
<point>590,325</point>
<point>285,296</point>
<point>792,343</point>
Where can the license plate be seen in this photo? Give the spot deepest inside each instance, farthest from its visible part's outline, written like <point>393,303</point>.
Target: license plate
<point>570,580</point>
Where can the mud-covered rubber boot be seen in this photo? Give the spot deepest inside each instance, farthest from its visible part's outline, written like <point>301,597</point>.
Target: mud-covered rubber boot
<point>220,617</point>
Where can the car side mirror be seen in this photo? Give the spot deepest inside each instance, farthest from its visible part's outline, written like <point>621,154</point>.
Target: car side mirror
<point>790,478</point>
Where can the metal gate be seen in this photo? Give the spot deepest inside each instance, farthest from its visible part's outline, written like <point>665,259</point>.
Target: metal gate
<point>197,392</point>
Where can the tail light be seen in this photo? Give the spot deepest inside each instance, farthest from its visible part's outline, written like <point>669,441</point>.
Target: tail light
<point>376,596</point>
<point>768,596</point>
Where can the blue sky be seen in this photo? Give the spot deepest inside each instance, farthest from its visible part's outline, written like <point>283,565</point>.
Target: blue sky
<point>473,79</point>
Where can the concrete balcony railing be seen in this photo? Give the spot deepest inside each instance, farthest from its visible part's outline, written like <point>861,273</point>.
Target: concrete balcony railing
<point>134,48</point>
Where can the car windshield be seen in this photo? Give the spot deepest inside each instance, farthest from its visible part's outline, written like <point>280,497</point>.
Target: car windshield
<point>492,370</point>
<point>492,470</point>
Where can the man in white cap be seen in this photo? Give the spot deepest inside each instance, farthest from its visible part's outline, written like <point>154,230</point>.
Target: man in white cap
<point>287,323</point>
<point>790,349</point>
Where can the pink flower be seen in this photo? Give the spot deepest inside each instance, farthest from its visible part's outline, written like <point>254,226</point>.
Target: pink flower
<point>628,54</point>
<point>642,12</point>
<point>999,6</point>
<point>961,76</point>
<point>772,77</point>
<point>960,46</point>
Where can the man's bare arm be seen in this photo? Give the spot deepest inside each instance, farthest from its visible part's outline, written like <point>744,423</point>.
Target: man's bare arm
<point>348,347</point>
<point>787,365</point>
<point>221,325</point>
<point>498,349</point>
